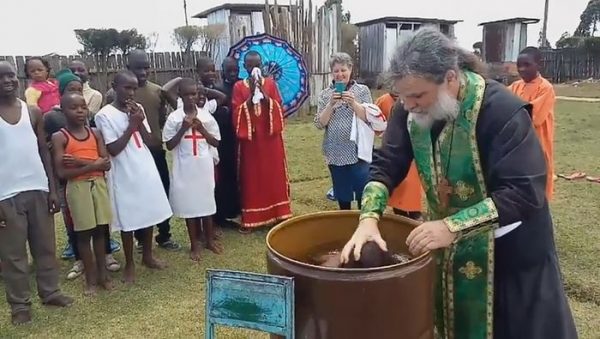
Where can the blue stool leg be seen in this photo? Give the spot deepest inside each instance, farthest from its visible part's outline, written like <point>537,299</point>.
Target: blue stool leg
<point>210,331</point>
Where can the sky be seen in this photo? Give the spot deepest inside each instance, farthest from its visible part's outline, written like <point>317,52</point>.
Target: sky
<point>50,24</point>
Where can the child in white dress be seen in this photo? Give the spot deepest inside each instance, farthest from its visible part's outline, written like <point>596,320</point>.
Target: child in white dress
<point>138,199</point>
<point>192,134</point>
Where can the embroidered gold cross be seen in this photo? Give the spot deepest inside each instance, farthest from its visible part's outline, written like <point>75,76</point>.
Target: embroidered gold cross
<point>463,190</point>
<point>470,270</point>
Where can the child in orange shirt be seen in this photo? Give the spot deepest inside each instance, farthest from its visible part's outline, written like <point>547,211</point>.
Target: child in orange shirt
<point>406,198</point>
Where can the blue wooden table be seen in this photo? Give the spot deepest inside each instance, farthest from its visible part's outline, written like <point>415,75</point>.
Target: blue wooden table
<point>248,300</point>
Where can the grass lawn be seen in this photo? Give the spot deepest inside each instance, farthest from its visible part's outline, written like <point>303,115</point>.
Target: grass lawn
<point>581,90</point>
<point>169,304</point>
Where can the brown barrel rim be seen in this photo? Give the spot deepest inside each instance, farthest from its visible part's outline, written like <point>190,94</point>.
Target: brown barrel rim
<point>341,270</point>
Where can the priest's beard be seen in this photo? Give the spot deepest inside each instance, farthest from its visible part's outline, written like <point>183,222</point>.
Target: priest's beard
<point>446,108</point>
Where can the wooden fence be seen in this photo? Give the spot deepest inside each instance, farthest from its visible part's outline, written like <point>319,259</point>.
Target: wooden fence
<point>563,65</point>
<point>315,32</point>
<point>164,67</point>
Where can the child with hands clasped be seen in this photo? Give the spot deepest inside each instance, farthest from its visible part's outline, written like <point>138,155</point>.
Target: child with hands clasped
<point>192,134</point>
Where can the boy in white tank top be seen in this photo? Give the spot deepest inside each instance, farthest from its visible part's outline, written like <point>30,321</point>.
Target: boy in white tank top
<point>27,203</point>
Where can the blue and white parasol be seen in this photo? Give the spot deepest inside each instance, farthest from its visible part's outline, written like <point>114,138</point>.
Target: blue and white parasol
<point>281,62</point>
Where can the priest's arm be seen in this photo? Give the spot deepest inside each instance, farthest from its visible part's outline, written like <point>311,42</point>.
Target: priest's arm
<point>515,174</point>
<point>390,165</point>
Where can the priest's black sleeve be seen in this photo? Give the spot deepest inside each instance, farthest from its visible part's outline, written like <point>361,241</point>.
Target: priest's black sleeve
<point>514,169</point>
<point>516,174</point>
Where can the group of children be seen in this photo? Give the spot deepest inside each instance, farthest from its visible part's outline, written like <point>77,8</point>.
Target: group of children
<point>106,174</point>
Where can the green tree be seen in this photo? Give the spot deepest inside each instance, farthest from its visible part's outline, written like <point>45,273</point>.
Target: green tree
<point>566,40</point>
<point>541,42</point>
<point>186,37</point>
<point>346,17</point>
<point>210,35</point>
<point>477,47</point>
<point>589,19</point>
<point>349,40</point>
<point>98,43</point>
<point>130,39</point>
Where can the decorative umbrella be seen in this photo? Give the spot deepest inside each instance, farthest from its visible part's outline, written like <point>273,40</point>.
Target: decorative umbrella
<point>281,62</point>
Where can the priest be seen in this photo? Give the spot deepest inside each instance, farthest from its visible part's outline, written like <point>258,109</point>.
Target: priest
<point>258,124</point>
<point>484,175</point>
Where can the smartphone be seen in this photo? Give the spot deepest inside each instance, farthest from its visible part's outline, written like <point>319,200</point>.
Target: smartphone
<point>340,87</point>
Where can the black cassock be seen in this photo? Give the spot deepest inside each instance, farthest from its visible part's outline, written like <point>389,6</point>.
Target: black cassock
<point>226,189</point>
<point>529,298</point>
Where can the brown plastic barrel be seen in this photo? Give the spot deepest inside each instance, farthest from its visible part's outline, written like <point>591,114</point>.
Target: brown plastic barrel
<point>392,302</point>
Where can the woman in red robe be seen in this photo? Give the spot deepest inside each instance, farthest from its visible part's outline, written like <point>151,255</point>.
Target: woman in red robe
<point>263,178</point>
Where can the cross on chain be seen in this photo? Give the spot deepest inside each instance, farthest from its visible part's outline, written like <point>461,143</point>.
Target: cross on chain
<point>194,137</point>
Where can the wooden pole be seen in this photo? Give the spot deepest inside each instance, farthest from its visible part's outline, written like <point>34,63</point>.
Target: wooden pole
<point>185,12</point>
<point>267,18</point>
<point>276,21</point>
<point>545,26</point>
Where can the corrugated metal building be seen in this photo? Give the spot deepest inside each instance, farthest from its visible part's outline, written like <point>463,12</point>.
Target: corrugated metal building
<point>378,39</point>
<point>240,20</point>
<point>504,39</point>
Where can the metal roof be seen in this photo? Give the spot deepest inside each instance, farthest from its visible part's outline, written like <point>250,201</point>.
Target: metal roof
<point>512,21</point>
<point>407,19</point>
<point>233,7</point>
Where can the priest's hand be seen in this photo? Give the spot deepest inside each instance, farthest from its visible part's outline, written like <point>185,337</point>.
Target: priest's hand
<point>367,231</point>
<point>430,236</point>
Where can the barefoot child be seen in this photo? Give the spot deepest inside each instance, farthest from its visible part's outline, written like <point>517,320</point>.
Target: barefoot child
<point>42,91</point>
<point>138,198</point>
<point>86,191</point>
<point>54,121</point>
<point>192,134</point>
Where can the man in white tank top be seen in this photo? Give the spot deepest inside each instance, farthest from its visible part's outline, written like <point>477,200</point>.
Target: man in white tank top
<point>27,203</point>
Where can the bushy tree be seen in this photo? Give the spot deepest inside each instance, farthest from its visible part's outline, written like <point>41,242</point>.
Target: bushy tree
<point>130,39</point>
<point>589,19</point>
<point>186,37</point>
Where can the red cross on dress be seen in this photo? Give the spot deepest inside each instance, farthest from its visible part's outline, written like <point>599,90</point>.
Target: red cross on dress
<point>194,137</point>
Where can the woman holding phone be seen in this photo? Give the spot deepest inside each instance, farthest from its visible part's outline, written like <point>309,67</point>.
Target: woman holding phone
<point>337,108</point>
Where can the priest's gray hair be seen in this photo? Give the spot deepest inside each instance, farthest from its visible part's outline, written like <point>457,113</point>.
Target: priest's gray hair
<point>430,54</point>
<point>340,58</point>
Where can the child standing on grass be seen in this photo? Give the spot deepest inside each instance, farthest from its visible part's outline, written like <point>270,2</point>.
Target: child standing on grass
<point>54,121</point>
<point>42,91</point>
<point>137,195</point>
<point>192,134</point>
<point>86,191</point>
